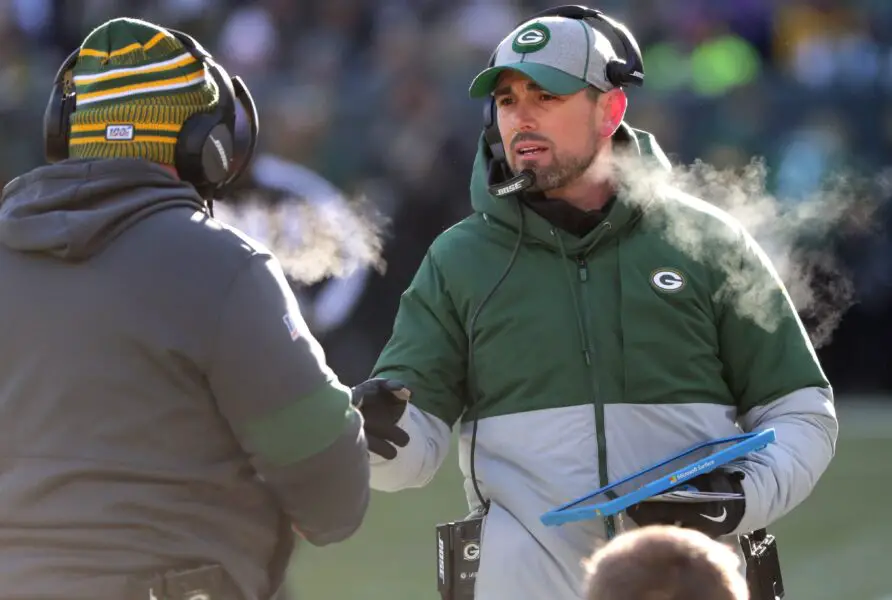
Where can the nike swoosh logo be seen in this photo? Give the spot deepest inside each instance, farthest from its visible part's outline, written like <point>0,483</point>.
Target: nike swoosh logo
<point>719,519</point>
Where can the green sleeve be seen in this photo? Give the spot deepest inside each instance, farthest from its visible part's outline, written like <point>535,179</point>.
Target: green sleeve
<point>428,346</point>
<point>763,345</point>
<point>288,411</point>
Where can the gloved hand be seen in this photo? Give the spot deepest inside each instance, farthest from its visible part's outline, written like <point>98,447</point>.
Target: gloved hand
<point>712,518</point>
<point>382,402</point>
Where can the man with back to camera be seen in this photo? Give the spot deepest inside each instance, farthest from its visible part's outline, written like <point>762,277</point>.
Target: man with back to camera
<point>169,418</point>
<point>574,339</point>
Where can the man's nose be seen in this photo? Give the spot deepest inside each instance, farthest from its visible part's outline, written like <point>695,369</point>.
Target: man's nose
<point>524,118</point>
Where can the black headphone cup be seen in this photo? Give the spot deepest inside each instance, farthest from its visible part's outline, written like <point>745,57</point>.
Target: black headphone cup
<point>619,73</point>
<point>217,155</point>
<point>491,130</point>
<point>55,126</point>
<point>55,140</point>
<point>58,112</point>
<point>628,70</point>
<point>205,147</point>
<point>194,146</point>
<point>489,112</point>
<point>615,71</point>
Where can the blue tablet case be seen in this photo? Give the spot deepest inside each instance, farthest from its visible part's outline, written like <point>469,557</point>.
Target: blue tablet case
<point>656,479</point>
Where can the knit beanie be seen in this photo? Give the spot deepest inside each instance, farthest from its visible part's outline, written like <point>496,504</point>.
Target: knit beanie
<point>136,85</point>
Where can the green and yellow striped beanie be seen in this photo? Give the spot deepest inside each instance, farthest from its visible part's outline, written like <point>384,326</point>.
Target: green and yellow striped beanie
<point>136,85</point>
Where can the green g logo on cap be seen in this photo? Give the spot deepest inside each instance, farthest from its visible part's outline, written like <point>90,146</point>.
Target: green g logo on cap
<point>531,38</point>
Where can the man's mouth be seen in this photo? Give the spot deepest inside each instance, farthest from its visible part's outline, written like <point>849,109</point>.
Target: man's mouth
<point>529,150</point>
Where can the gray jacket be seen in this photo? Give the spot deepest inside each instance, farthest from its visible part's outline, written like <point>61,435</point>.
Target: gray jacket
<point>163,402</point>
<point>529,463</point>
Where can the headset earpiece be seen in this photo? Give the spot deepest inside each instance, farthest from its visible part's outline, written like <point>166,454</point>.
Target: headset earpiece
<point>628,71</point>
<point>205,147</point>
<point>490,122</point>
<point>491,130</point>
<point>56,116</point>
<point>205,150</point>
<point>620,72</point>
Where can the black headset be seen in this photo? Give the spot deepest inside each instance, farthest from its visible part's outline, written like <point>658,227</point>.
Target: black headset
<point>621,72</point>
<point>205,148</point>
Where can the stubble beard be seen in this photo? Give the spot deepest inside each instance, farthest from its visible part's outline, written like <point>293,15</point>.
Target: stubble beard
<point>561,172</point>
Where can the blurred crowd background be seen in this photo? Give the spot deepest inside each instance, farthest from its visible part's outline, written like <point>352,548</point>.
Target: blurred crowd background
<point>371,96</point>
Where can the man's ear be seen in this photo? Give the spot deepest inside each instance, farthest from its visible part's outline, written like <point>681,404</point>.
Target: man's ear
<point>614,105</point>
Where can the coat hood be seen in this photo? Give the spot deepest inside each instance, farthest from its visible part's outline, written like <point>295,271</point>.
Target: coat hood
<point>73,208</point>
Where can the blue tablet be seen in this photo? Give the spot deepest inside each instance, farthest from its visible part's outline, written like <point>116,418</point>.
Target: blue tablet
<point>656,479</point>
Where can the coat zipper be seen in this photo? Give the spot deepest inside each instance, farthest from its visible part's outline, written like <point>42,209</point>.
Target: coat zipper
<point>600,434</point>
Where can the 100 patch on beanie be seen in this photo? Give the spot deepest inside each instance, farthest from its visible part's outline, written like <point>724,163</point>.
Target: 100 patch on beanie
<point>136,84</point>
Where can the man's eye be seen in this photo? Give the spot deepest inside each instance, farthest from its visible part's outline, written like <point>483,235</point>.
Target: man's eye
<point>503,101</point>
<point>548,96</point>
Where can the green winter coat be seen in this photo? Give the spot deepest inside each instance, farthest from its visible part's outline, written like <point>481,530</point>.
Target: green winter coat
<point>594,357</point>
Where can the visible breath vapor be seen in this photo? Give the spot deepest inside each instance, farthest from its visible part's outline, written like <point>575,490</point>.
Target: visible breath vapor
<point>797,235</point>
<point>312,240</point>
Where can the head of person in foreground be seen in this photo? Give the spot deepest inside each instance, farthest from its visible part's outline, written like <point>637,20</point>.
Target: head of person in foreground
<point>664,563</point>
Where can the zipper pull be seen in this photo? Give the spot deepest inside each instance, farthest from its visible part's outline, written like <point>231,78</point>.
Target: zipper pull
<point>582,267</point>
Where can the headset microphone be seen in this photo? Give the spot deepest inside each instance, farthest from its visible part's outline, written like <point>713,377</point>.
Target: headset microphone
<point>524,180</point>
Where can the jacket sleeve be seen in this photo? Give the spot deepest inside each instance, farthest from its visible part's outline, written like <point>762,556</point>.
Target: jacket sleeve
<point>428,351</point>
<point>772,370</point>
<point>289,412</point>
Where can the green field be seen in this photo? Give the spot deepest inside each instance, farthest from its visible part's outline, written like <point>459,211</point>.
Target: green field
<point>831,547</point>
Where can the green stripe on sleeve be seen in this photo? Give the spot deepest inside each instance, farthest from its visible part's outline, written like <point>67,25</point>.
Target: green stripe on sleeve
<point>302,428</point>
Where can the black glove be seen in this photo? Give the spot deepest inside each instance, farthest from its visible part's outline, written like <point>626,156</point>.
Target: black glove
<point>382,402</point>
<point>712,518</point>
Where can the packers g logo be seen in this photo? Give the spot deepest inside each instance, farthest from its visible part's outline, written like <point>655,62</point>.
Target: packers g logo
<point>667,280</point>
<point>531,38</point>
<point>471,551</point>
